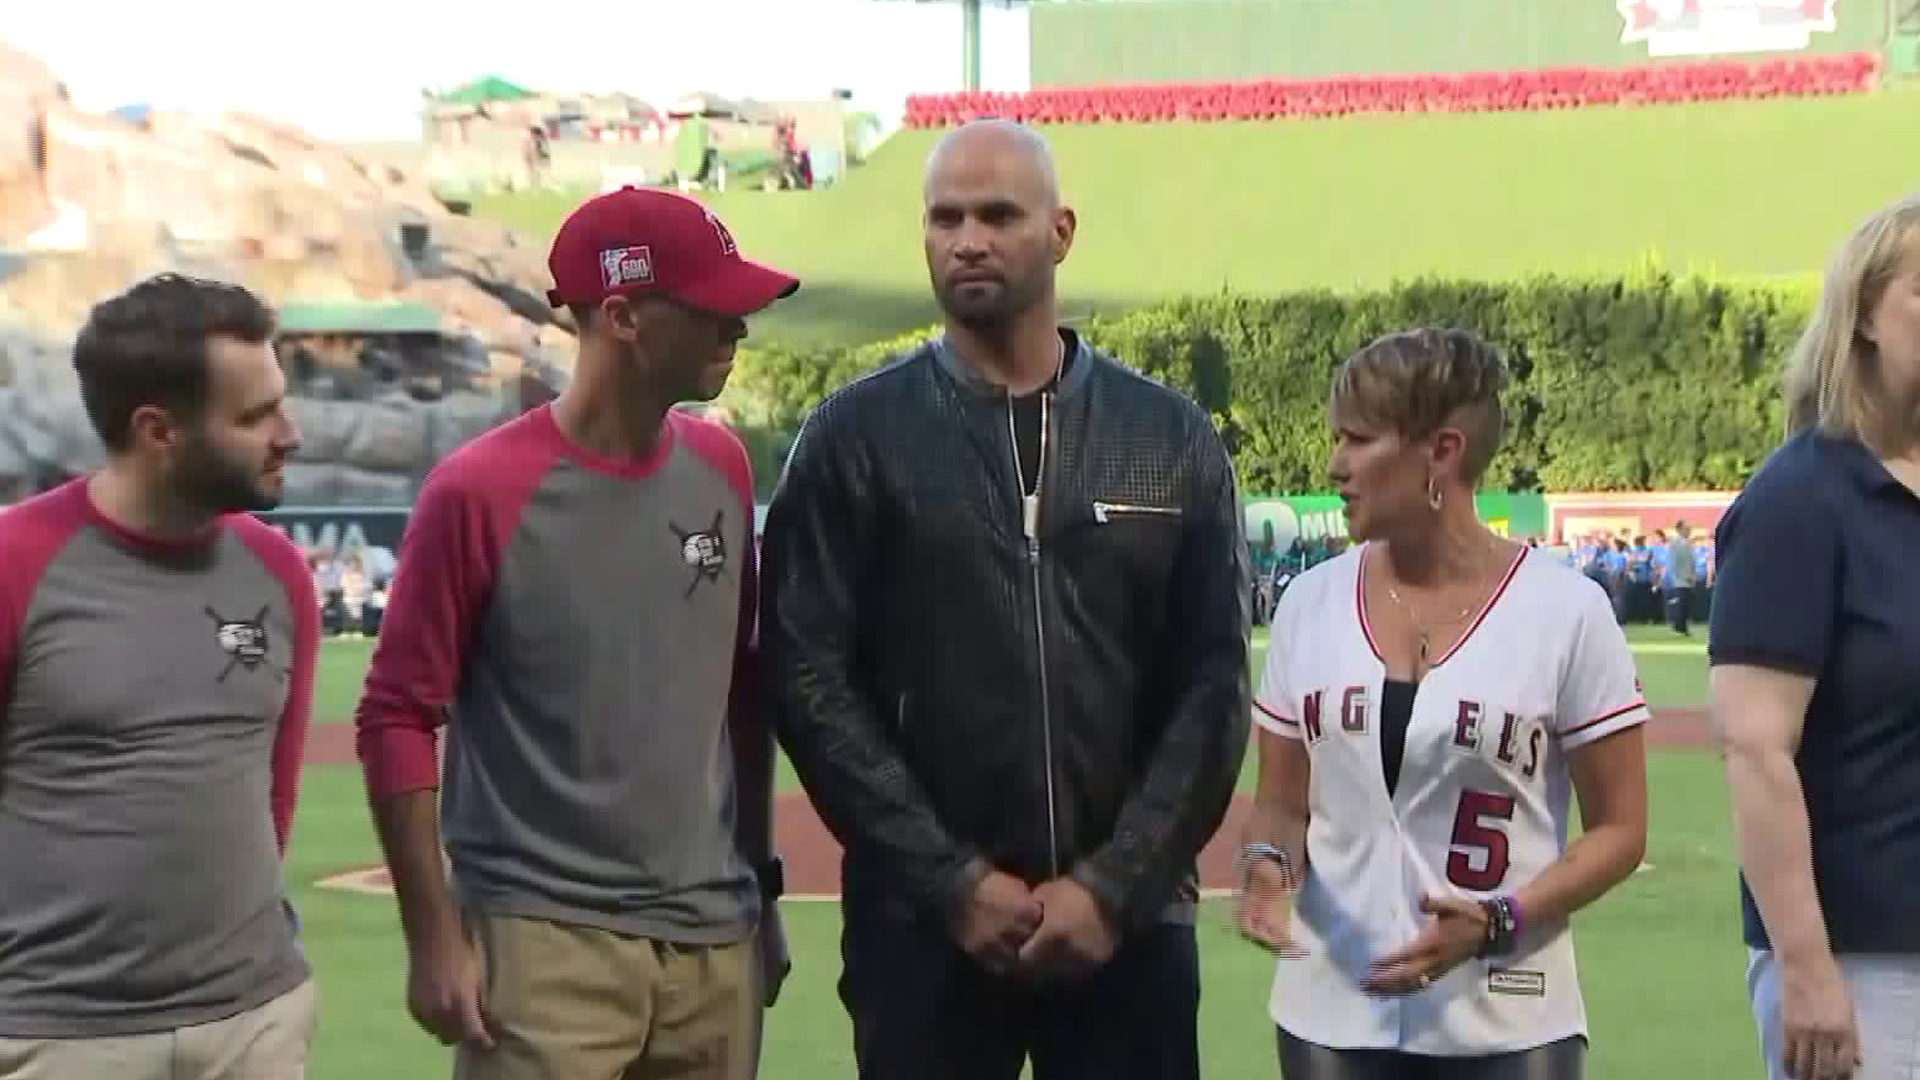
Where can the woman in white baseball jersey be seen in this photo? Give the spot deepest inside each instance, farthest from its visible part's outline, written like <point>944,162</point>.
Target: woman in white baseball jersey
<point>1432,700</point>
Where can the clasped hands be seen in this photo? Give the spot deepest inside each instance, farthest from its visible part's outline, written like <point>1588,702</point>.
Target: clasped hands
<point>1454,933</point>
<point>1455,929</point>
<point>1051,931</point>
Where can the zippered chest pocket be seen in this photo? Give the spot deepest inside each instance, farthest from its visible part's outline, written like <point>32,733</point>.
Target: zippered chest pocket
<point>1139,538</point>
<point>1107,513</point>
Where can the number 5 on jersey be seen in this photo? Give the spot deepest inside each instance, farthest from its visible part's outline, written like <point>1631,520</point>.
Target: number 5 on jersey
<point>1479,836</point>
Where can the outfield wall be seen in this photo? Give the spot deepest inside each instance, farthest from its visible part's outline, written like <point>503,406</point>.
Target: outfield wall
<point>1323,516</point>
<point>1637,513</point>
<point>1137,41</point>
<point>1552,517</point>
<point>1555,517</point>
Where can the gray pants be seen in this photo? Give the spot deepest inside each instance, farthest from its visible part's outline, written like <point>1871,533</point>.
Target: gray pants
<point>1886,1002</point>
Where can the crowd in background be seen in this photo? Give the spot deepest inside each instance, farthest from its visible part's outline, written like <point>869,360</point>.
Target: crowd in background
<point>1646,574</point>
<point>1636,570</point>
<point>1275,566</point>
<point>352,582</point>
<point>352,578</point>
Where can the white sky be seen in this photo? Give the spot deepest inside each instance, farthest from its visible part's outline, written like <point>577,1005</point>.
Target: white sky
<point>354,69</point>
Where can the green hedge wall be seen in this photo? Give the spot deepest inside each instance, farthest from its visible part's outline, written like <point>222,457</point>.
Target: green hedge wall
<point>1641,381</point>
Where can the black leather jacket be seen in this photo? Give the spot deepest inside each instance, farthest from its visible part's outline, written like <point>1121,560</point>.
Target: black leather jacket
<point>948,688</point>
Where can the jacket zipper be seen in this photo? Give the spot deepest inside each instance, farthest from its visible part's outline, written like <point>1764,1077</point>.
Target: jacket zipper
<point>1030,525</point>
<point>1103,512</point>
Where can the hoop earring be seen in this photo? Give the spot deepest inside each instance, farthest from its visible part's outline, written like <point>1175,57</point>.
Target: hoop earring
<point>1435,497</point>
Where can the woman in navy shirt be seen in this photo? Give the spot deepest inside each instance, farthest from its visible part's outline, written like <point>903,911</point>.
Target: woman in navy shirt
<point>1815,637</point>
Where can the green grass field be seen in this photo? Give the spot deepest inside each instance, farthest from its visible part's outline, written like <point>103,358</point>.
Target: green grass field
<point>1743,188</point>
<point>1661,960</point>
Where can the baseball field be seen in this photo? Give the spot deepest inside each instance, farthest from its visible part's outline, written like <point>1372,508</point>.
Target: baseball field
<point>1660,957</point>
<point>1741,188</point>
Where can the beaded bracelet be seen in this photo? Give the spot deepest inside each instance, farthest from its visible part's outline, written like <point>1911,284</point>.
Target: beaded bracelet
<point>1503,925</point>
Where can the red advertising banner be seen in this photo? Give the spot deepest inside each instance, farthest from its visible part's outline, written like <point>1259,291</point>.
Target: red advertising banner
<point>1574,515</point>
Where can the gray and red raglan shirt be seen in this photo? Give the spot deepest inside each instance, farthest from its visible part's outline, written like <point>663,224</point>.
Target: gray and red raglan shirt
<point>581,626</point>
<point>154,701</point>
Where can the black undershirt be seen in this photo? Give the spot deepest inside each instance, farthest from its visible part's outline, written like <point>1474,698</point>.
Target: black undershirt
<point>1026,433</point>
<point>1026,426</point>
<point>1396,714</point>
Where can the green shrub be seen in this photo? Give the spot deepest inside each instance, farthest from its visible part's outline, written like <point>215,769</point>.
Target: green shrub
<point>1639,381</point>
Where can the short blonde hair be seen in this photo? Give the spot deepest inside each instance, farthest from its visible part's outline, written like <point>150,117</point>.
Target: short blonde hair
<point>1832,377</point>
<point>1414,382</point>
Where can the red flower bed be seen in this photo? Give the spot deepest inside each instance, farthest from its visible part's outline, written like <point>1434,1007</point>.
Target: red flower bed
<point>1268,99</point>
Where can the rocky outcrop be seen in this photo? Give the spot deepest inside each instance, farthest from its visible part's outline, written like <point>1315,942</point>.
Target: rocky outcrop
<point>366,440</point>
<point>90,204</point>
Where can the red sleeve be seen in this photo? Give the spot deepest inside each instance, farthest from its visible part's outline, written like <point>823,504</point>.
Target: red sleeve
<point>721,448</point>
<point>449,555</point>
<point>290,742</point>
<point>31,534</point>
<point>744,699</point>
<point>16,591</point>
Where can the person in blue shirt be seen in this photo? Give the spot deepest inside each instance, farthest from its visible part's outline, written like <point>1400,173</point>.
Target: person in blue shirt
<point>1592,558</point>
<point>1639,580</point>
<point>1702,580</point>
<point>1815,629</point>
<point>1657,550</point>
<point>1614,567</point>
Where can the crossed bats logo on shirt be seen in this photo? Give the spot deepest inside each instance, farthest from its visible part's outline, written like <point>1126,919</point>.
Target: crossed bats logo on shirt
<point>244,640</point>
<point>705,550</point>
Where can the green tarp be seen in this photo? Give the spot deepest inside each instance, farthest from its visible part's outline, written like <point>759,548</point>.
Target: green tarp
<point>486,89</point>
<point>347,317</point>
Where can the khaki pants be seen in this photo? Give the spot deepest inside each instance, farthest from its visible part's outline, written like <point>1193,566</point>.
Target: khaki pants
<point>270,1042</point>
<point>589,1004</point>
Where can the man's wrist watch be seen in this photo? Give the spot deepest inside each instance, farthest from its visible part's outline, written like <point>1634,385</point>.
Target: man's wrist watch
<point>773,877</point>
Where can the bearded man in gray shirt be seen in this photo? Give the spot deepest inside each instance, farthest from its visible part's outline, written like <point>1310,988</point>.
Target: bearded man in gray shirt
<point>157,648</point>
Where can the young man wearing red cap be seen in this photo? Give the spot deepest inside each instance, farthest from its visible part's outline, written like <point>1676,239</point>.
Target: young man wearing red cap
<point>575,601</point>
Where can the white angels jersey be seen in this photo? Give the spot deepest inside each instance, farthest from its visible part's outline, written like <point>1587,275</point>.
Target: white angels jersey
<point>1479,808</point>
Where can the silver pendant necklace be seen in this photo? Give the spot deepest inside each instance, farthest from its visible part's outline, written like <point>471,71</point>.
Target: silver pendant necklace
<point>1421,626</point>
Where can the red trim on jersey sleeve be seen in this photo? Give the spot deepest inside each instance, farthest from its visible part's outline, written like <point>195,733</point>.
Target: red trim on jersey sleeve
<point>1602,718</point>
<point>1605,724</point>
<point>31,535</point>
<point>721,448</point>
<point>284,560</point>
<point>1602,693</point>
<point>456,536</point>
<point>1270,718</point>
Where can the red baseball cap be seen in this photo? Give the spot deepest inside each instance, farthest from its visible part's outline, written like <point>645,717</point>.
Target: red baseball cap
<point>650,240</point>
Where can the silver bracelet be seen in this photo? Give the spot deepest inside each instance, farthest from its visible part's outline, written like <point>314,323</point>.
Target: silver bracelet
<point>1273,852</point>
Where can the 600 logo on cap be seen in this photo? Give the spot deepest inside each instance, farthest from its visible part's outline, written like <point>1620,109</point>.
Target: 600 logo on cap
<point>626,266</point>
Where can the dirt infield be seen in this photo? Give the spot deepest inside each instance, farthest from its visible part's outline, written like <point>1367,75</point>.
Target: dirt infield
<point>813,857</point>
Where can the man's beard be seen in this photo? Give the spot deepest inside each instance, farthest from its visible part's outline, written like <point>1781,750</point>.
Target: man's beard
<point>210,481</point>
<point>997,309</point>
